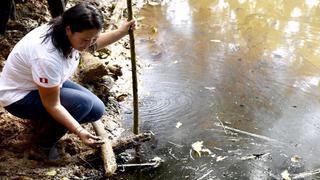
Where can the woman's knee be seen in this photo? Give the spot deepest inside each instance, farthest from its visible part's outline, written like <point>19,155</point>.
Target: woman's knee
<point>83,106</point>
<point>77,103</point>
<point>97,111</point>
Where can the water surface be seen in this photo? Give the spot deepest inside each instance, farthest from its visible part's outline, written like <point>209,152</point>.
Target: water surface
<point>240,75</point>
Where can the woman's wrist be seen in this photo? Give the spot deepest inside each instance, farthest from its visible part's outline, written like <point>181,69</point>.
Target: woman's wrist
<point>78,130</point>
<point>123,31</point>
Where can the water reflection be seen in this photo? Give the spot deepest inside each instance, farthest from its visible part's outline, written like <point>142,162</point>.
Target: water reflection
<point>179,13</point>
<point>247,64</point>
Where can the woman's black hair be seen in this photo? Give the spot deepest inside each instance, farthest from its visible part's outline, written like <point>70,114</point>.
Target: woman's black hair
<point>80,17</point>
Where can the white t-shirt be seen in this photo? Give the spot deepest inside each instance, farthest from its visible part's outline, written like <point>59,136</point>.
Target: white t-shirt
<point>34,62</point>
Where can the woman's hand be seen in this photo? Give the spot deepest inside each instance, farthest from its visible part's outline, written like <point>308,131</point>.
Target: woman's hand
<point>107,38</point>
<point>128,25</point>
<point>89,139</point>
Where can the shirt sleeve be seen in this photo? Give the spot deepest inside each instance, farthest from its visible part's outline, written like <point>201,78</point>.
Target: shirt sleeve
<point>46,72</point>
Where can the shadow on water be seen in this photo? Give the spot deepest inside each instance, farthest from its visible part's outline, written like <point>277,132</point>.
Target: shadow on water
<point>242,76</point>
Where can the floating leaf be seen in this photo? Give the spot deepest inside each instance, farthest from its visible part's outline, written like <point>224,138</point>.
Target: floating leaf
<point>156,159</point>
<point>215,40</point>
<point>210,88</point>
<point>285,175</point>
<point>221,158</point>
<point>154,30</point>
<point>295,158</point>
<point>206,151</point>
<point>248,157</point>
<point>152,3</point>
<point>197,146</point>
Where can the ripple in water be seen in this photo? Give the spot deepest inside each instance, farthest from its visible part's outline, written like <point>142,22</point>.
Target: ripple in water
<point>164,107</point>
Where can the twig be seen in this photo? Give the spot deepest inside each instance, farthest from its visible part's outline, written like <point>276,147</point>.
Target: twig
<point>151,164</point>
<point>253,135</point>
<point>306,174</point>
<point>221,123</point>
<point>170,152</point>
<point>178,145</point>
<point>191,154</point>
<point>205,175</point>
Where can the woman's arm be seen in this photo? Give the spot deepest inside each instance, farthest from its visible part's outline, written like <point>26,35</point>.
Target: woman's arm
<point>110,37</point>
<point>50,98</point>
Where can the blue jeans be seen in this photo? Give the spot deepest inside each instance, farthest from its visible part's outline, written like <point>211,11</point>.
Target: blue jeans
<point>83,105</point>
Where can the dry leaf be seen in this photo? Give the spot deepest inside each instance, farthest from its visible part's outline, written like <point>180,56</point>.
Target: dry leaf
<point>295,158</point>
<point>154,30</point>
<point>197,146</point>
<point>206,151</point>
<point>178,124</point>
<point>152,3</point>
<point>215,40</point>
<point>156,159</point>
<point>210,88</point>
<point>220,158</point>
<point>285,175</point>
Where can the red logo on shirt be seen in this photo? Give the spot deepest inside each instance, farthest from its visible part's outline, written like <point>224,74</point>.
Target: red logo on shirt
<point>43,80</point>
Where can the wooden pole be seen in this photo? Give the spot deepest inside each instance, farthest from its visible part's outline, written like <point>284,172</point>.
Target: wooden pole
<point>134,73</point>
<point>107,154</point>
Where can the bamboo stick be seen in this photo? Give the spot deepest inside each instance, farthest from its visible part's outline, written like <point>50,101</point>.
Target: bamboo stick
<point>134,73</point>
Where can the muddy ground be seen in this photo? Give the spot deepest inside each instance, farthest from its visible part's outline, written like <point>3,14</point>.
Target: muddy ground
<point>19,158</point>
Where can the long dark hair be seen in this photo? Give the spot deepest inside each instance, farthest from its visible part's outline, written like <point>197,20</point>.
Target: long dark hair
<point>80,17</point>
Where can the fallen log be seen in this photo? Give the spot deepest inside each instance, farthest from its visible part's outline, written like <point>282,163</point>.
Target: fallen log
<point>118,146</point>
<point>122,144</point>
<point>107,154</point>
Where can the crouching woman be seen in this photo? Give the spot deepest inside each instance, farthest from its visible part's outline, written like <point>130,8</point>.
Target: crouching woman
<point>35,84</point>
